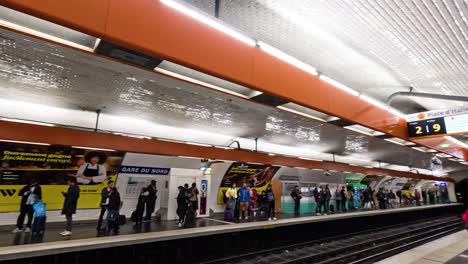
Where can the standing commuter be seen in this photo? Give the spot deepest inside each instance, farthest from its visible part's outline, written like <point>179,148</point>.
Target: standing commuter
<point>366,199</point>
<point>391,199</point>
<point>181,205</point>
<point>231,195</point>
<point>296,194</point>
<point>39,218</point>
<point>69,205</point>
<point>350,198</point>
<point>29,194</point>
<point>338,199</point>
<point>244,198</point>
<point>417,197</point>
<point>151,201</point>
<point>424,196</point>
<point>140,208</point>
<point>431,197</point>
<point>399,195</point>
<point>316,194</point>
<point>323,201</point>
<point>344,199</point>
<point>328,196</point>
<point>113,210</point>
<point>194,197</point>
<point>371,197</point>
<point>270,198</point>
<point>381,198</point>
<point>105,193</point>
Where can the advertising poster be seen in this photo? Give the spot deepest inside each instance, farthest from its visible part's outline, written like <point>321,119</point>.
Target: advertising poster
<point>371,180</point>
<point>354,180</point>
<point>52,166</point>
<point>258,176</point>
<point>409,187</point>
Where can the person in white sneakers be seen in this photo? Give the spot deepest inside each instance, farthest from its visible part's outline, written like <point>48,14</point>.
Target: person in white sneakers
<point>29,194</point>
<point>270,197</point>
<point>69,205</point>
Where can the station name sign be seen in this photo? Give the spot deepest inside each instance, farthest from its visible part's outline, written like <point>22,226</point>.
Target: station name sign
<point>144,170</point>
<point>440,122</point>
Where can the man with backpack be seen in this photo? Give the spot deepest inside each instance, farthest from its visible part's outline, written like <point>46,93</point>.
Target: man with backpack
<point>113,218</point>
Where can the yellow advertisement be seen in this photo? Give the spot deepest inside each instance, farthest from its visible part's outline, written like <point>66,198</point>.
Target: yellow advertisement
<point>51,166</point>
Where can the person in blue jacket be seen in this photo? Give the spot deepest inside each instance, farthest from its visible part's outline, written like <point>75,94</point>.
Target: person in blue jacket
<point>244,198</point>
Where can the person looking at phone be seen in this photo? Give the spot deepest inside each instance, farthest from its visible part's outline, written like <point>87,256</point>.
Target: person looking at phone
<point>29,195</point>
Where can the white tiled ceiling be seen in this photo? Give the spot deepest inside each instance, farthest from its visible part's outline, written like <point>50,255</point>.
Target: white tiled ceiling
<point>377,47</point>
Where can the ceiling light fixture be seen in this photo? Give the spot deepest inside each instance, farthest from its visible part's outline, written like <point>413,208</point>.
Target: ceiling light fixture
<point>211,22</point>
<point>198,82</point>
<point>358,130</point>
<point>187,157</point>
<point>300,113</point>
<point>305,158</point>
<point>24,142</point>
<point>394,142</point>
<point>41,35</point>
<point>131,135</point>
<point>199,144</point>
<point>421,149</point>
<point>287,58</point>
<point>26,122</point>
<point>102,149</point>
<point>338,85</point>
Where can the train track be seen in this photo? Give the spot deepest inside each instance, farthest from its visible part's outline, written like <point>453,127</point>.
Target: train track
<point>364,247</point>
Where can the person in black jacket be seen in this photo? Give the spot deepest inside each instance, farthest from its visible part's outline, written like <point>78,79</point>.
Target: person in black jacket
<point>113,210</point>
<point>296,194</point>
<point>140,208</point>
<point>316,194</point>
<point>29,194</point>
<point>105,193</point>
<point>151,201</point>
<point>69,205</point>
<point>343,199</point>
<point>181,205</point>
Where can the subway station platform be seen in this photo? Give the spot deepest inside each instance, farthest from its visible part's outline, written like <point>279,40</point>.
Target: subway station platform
<point>85,239</point>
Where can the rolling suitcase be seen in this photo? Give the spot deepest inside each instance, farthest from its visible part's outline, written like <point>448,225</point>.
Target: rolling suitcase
<point>229,214</point>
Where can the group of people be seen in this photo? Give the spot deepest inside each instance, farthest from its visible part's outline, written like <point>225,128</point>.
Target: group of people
<point>187,204</point>
<point>245,202</point>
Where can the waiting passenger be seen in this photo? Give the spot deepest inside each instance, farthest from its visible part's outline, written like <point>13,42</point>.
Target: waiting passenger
<point>371,197</point>
<point>328,196</point>
<point>69,205</point>
<point>417,197</point>
<point>39,218</point>
<point>140,208</point>
<point>29,194</point>
<point>391,199</point>
<point>104,202</point>
<point>270,198</point>
<point>231,195</point>
<point>194,197</point>
<point>316,194</point>
<point>263,203</point>
<point>350,198</point>
<point>431,197</point>
<point>322,201</point>
<point>381,198</point>
<point>338,199</point>
<point>151,201</point>
<point>244,198</point>
<point>400,196</point>
<point>296,195</point>
<point>113,210</point>
<point>343,199</point>
<point>366,199</point>
<point>181,205</point>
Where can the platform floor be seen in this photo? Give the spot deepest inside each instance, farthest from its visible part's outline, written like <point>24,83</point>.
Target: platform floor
<point>452,249</point>
<point>85,237</point>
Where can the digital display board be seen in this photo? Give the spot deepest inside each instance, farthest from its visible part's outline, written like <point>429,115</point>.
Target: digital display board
<point>438,126</point>
<point>428,127</point>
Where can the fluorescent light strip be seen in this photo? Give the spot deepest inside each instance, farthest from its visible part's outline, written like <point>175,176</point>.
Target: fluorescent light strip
<point>208,21</point>
<point>187,157</point>
<point>443,155</point>
<point>419,149</point>
<point>394,142</point>
<point>131,135</point>
<point>199,144</point>
<point>39,34</point>
<point>305,158</point>
<point>103,149</point>
<point>300,113</point>
<point>358,131</point>
<point>24,142</point>
<point>287,58</point>
<point>195,81</point>
<point>27,122</point>
<point>339,85</point>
